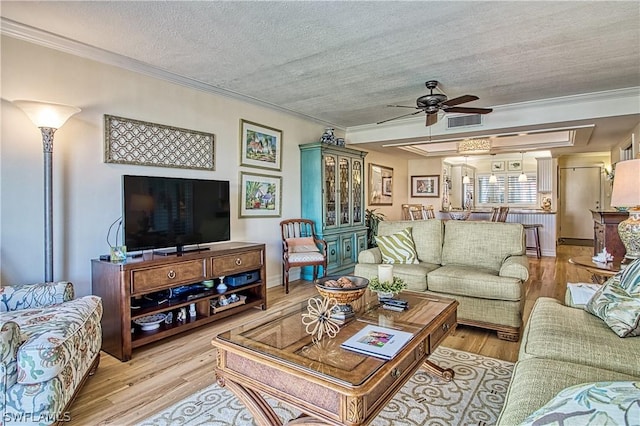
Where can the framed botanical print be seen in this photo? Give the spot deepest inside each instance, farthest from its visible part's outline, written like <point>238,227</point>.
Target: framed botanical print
<point>260,195</point>
<point>260,146</point>
<point>425,186</point>
<point>380,185</point>
<point>514,165</point>
<point>497,166</point>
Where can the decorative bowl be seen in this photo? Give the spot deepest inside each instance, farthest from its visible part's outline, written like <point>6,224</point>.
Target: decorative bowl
<point>459,214</point>
<point>150,322</point>
<point>342,295</point>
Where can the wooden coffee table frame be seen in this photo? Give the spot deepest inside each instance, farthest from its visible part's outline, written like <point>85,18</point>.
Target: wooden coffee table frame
<point>600,272</point>
<point>322,399</point>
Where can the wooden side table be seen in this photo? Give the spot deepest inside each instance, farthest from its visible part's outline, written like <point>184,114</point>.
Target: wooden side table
<point>600,272</point>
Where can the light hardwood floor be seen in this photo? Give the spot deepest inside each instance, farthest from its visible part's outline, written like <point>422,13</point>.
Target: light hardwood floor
<point>170,370</point>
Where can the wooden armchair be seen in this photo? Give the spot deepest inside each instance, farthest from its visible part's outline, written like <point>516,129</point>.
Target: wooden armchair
<point>301,247</point>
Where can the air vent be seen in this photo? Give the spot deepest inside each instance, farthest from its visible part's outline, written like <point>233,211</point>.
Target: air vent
<point>464,120</point>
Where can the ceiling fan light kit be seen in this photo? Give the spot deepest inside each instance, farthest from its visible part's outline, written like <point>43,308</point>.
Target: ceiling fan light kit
<point>433,103</point>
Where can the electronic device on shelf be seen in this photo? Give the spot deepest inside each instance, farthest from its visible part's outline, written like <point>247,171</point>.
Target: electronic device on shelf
<point>245,278</point>
<point>166,212</point>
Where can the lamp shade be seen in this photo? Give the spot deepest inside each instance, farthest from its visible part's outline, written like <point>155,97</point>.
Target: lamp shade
<point>626,184</point>
<point>45,114</point>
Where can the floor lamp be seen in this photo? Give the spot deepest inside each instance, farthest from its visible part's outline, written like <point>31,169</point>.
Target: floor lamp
<point>626,193</point>
<point>48,117</point>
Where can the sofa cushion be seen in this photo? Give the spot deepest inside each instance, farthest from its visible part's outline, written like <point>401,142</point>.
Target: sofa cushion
<point>397,247</point>
<point>56,336</point>
<point>555,331</point>
<point>39,295</point>
<point>475,282</point>
<point>535,381</point>
<point>485,244</point>
<point>599,403</point>
<point>427,236</point>
<point>415,276</point>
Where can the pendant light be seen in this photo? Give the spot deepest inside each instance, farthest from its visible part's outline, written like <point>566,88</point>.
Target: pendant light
<point>465,179</point>
<point>522,177</point>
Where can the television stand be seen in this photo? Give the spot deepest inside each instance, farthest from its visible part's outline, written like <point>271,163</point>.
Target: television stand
<point>152,276</point>
<point>179,251</point>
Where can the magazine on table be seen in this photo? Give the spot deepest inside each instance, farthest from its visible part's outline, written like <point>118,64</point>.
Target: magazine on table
<point>380,342</point>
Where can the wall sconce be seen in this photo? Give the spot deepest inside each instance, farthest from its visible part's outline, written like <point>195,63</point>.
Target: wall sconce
<point>49,117</point>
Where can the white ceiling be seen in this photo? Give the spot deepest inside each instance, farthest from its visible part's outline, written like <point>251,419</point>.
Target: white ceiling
<point>342,62</point>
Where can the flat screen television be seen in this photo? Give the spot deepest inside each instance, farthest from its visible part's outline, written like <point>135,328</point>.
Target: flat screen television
<point>165,212</point>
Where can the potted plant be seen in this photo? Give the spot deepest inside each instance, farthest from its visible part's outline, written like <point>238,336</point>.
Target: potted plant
<point>372,219</point>
<point>386,289</point>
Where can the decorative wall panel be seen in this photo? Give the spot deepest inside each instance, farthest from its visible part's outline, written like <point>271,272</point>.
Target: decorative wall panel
<point>130,141</point>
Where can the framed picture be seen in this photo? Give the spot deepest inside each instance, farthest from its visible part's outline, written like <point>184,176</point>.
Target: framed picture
<point>260,146</point>
<point>425,186</point>
<point>514,166</point>
<point>260,195</point>
<point>387,186</point>
<point>497,166</point>
<point>380,185</point>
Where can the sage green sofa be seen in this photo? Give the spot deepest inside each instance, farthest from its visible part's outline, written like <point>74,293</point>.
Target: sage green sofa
<point>482,265</point>
<point>561,347</point>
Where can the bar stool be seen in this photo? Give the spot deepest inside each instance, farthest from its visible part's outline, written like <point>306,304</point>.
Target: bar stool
<point>535,227</point>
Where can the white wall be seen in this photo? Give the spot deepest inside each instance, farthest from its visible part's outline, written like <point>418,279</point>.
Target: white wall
<point>87,191</point>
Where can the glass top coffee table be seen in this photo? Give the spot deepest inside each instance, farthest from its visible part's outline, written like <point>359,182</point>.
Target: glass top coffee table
<point>600,271</point>
<point>327,383</point>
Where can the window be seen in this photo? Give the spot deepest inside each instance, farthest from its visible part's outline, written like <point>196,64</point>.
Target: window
<point>507,190</point>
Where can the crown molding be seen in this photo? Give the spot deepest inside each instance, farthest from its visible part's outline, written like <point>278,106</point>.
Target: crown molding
<point>49,40</point>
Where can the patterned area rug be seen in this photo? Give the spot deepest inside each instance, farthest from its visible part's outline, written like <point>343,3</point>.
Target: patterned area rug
<point>474,397</point>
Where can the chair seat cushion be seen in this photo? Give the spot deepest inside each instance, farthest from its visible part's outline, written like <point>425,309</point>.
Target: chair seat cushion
<point>305,257</point>
<point>475,282</point>
<point>56,336</point>
<point>302,244</point>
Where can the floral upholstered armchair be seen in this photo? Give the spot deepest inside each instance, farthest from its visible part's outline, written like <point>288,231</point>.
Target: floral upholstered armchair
<point>49,344</point>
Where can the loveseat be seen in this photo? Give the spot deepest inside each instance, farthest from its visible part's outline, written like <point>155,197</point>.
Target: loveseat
<point>483,265</point>
<point>580,365</point>
<point>49,344</point>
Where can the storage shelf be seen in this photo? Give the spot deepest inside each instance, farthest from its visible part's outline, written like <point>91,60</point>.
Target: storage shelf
<point>115,284</point>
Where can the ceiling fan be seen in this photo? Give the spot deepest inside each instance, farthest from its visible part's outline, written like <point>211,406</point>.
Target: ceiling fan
<point>432,103</point>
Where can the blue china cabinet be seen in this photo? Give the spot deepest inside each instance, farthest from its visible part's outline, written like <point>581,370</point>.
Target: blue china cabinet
<point>332,185</point>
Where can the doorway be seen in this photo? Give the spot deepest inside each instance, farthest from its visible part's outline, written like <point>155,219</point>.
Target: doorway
<point>580,192</point>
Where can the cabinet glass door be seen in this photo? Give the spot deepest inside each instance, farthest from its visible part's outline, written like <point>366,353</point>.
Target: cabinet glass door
<point>345,191</point>
<point>330,190</point>
<point>356,192</point>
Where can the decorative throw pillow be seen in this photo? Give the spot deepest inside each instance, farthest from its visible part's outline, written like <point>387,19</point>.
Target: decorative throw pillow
<point>398,247</point>
<point>613,304</point>
<point>302,245</point>
<point>630,278</point>
<point>600,403</point>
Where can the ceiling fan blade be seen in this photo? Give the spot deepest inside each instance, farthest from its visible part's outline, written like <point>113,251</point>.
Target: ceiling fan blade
<point>460,100</point>
<point>467,110</point>
<point>432,119</point>
<point>395,118</point>
<point>403,106</point>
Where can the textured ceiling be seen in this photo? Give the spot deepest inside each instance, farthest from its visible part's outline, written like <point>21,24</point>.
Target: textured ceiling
<point>343,62</point>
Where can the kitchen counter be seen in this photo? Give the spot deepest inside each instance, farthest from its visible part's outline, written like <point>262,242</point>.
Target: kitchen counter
<point>511,210</point>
